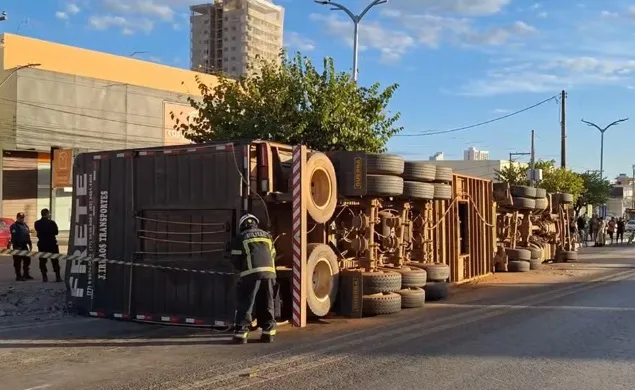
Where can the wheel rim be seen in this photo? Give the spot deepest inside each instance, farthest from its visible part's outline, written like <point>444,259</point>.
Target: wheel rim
<point>321,188</point>
<point>322,280</point>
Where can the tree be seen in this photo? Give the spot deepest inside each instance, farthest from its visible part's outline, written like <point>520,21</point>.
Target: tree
<point>294,103</point>
<point>514,174</point>
<point>596,190</point>
<point>559,179</point>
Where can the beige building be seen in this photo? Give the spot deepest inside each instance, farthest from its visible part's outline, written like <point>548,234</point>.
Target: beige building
<point>228,35</point>
<point>54,95</point>
<point>485,169</point>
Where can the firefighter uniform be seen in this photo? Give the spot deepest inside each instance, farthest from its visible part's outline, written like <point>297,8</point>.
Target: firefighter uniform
<point>21,240</point>
<point>47,231</point>
<point>253,254</point>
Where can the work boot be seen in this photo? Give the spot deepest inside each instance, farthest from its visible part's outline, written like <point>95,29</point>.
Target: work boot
<point>27,276</point>
<point>58,278</point>
<point>266,338</point>
<point>19,278</point>
<point>239,340</point>
<point>45,277</point>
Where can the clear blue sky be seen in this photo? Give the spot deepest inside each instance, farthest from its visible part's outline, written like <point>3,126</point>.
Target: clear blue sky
<point>458,62</point>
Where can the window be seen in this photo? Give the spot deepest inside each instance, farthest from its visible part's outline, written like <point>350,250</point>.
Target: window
<point>464,228</point>
<point>3,225</point>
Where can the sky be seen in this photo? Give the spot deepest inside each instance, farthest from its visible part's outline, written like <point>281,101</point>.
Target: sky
<point>457,63</point>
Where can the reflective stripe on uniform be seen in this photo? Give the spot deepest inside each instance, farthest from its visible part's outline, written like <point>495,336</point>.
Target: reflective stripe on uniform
<point>269,332</point>
<point>242,335</point>
<point>236,252</point>
<point>256,270</point>
<point>250,267</point>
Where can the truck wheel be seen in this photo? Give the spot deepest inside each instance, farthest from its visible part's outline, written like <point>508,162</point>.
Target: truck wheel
<point>410,277</point>
<point>416,190</point>
<point>436,291</point>
<point>518,254</point>
<point>380,282</point>
<point>437,272</point>
<point>381,303</point>
<point>536,252</point>
<point>535,264</point>
<point>541,203</point>
<point>518,266</point>
<point>568,256</point>
<point>412,298</point>
<point>419,171</point>
<point>442,191</point>
<point>384,164</point>
<point>541,193</point>
<point>524,203</point>
<point>383,185</point>
<point>522,191</point>
<point>322,200</point>
<point>323,273</point>
<point>443,175</point>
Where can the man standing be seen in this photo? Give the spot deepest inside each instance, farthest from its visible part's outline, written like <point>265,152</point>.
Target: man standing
<point>253,254</point>
<point>47,231</point>
<point>21,240</point>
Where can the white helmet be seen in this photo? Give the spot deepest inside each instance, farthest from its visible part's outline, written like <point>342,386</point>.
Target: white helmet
<point>246,218</point>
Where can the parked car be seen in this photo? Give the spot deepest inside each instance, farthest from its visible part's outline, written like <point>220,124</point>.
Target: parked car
<point>5,234</point>
<point>630,226</point>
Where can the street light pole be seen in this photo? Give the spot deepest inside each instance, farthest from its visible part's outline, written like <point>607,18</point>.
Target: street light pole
<point>602,131</point>
<point>356,20</point>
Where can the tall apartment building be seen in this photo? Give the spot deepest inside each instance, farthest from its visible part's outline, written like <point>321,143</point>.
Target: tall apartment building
<point>474,154</point>
<point>227,35</point>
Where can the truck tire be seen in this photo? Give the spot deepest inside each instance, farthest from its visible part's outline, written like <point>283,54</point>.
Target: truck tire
<point>384,164</point>
<point>412,298</point>
<point>535,264</point>
<point>442,191</point>
<point>322,199</point>
<point>419,171</point>
<point>436,291</point>
<point>383,186</point>
<point>568,256</point>
<point>443,175</point>
<point>524,203</point>
<point>518,266</point>
<point>417,190</point>
<point>565,198</point>
<point>323,274</point>
<point>522,191</point>
<point>518,254</point>
<point>436,272</point>
<point>541,193</point>
<point>380,282</point>
<point>536,253</point>
<point>381,303</point>
<point>411,277</point>
<point>541,203</point>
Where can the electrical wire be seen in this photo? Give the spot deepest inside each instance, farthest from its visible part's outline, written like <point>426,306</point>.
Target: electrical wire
<point>436,132</point>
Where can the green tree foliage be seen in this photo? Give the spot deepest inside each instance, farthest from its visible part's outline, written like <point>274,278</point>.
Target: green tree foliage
<point>596,190</point>
<point>514,174</point>
<point>295,103</point>
<point>559,180</point>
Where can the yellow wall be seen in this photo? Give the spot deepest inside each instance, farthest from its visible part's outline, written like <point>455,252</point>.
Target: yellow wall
<point>19,50</point>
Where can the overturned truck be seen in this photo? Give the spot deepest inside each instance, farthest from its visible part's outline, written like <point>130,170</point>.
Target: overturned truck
<point>159,222</point>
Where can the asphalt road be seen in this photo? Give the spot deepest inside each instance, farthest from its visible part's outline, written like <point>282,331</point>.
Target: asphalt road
<point>568,327</point>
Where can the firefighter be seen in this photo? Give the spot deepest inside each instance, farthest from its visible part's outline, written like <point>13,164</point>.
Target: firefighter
<point>253,254</point>
<point>47,231</point>
<point>21,240</point>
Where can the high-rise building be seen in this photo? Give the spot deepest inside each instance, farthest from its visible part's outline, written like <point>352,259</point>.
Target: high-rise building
<point>228,35</point>
<point>474,154</point>
<point>438,156</point>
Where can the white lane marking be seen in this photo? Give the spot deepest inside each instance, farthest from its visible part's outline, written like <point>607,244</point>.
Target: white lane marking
<point>38,387</point>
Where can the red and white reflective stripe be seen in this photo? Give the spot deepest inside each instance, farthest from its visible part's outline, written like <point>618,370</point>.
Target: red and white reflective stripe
<point>146,153</point>
<point>296,185</point>
<point>143,317</point>
<point>119,315</point>
<point>194,321</point>
<point>97,314</point>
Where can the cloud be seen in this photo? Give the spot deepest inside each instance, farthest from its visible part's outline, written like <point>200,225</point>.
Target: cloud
<point>72,8</point>
<point>145,8</point>
<point>127,27</point>
<point>298,42</point>
<point>61,15</point>
<point>460,7</point>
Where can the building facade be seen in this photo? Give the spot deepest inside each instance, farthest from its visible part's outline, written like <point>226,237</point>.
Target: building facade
<point>485,169</point>
<point>473,154</point>
<point>229,35</point>
<point>60,96</point>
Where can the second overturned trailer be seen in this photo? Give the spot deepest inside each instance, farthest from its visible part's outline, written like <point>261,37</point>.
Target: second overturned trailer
<point>167,216</point>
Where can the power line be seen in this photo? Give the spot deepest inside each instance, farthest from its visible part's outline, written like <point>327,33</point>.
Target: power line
<point>434,132</point>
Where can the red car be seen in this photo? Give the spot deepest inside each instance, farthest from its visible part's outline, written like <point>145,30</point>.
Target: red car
<point>5,234</point>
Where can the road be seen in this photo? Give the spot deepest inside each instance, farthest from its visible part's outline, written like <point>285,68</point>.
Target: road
<point>566,327</point>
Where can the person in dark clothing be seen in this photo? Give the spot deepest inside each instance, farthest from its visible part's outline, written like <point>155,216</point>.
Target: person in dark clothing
<point>621,225</point>
<point>47,231</point>
<point>253,255</point>
<point>21,240</point>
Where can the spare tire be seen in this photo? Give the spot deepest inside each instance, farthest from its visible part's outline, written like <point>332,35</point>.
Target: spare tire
<point>442,191</point>
<point>524,203</point>
<point>383,186</point>
<point>384,164</point>
<point>437,272</point>
<point>410,276</point>
<point>381,303</point>
<point>419,171</point>
<point>518,254</point>
<point>536,253</point>
<point>568,256</point>
<point>541,203</point>
<point>522,191</point>
<point>412,298</point>
<point>323,274</point>
<point>565,198</point>
<point>443,174</point>
<point>518,266</point>
<point>436,291</point>
<point>541,193</point>
<point>417,190</point>
<point>535,264</point>
<point>380,282</point>
<point>322,199</point>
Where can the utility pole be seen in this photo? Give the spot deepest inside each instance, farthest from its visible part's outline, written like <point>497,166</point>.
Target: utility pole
<point>633,194</point>
<point>532,164</point>
<point>563,129</point>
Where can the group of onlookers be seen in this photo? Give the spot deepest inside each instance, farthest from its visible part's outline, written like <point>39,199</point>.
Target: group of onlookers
<point>601,231</point>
